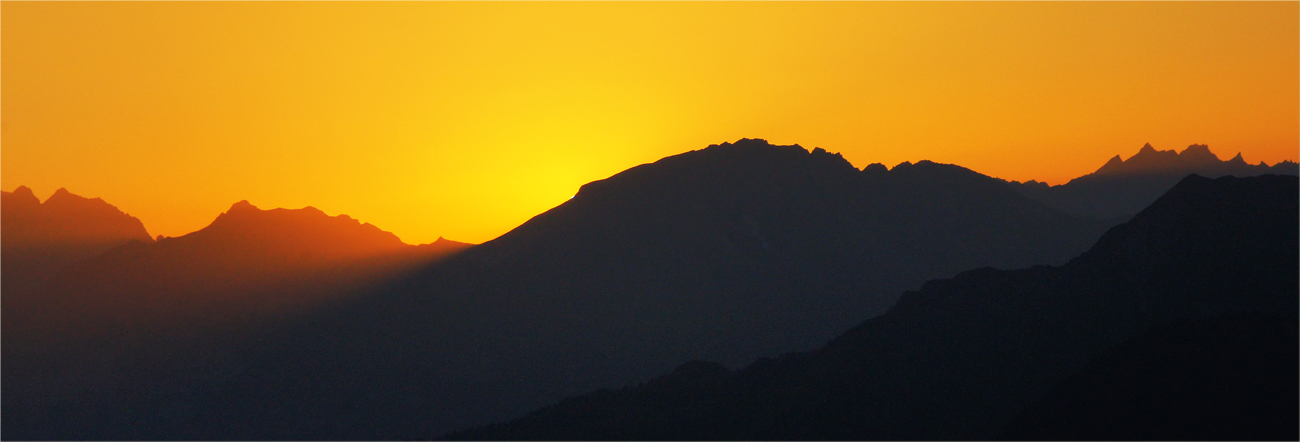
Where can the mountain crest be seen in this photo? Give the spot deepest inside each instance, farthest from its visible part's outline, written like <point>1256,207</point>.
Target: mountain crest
<point>1198,153</point>
<point>21,199</point>
<point>242,206</point>
<point>1197,158</point>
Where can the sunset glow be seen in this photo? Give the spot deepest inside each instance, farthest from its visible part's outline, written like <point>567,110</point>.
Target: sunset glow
<point>463,120</point>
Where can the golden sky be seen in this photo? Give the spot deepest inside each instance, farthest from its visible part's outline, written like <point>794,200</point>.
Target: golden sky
<point>466,119</point>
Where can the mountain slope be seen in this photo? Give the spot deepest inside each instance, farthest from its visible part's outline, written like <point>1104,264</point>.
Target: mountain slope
<point>1121,188</point>
<point>1231,377</point>
<point>962,357</point>
<point>726,253</point>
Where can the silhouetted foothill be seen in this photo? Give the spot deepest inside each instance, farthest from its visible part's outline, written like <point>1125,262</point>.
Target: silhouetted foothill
<point>1179,321</point>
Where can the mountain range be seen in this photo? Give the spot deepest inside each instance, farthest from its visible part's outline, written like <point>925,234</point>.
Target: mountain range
<point>99,322</point>
<point>290,324</point>
<point>39,238</point>
<point>1121,188</point>
<point>1179,324</point>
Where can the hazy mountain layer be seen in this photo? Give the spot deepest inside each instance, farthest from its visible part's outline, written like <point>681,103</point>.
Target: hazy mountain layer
<point>1121,188</point>
<point>1222,378</point>
<point>962,357</point>
<point>133,322</point>
<point>38,239</point>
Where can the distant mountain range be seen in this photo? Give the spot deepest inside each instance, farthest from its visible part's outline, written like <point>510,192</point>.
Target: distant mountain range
<point>1179,324</point>
<point>1121,188</point>
<point>38,239</point>
<point>290,324</point>
<point>149,305</point>
<point>263,258</point>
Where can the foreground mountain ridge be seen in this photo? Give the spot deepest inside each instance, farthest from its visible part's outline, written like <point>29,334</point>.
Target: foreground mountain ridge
<point>962,357</point>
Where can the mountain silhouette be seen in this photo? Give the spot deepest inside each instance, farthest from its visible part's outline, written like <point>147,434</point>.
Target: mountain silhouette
<point>727,253</point>
<point>226,262</point>
<point>962,358</point>
<point>1121,188</point>
<point>148,307</point>
<point>38,238</point>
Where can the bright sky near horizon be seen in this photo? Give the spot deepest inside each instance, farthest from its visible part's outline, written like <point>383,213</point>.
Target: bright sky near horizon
<point>465,119</point>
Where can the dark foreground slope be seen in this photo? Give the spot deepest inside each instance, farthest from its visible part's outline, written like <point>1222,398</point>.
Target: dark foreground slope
<point>963,357</point>
<point>1121,188</point>
<point>1231,377</point>
<point>727,253</point>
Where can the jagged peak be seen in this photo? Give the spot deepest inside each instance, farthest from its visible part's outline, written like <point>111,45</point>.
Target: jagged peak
<point>1114,164</point>
<point>24,190</point>
<point>875,168</point>
<point>1199,152</point>
<point>1196,149</point>
<point>242,206</point>
<point>759,143</point>
<point>63,194</point>
<point>1238,159</point>
<point>64,198</point>
<point>746,142</point>
<point>23,195</point>
<point>1148,152</point>
<point>313,209</point>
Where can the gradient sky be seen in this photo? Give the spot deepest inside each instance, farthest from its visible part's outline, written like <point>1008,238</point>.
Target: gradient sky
<point>466,119</point>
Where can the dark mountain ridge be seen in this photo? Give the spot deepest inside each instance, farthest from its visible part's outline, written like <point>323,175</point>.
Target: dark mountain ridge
<point>963,357</point>
<point>727,253</point>
<point>1121,188</point>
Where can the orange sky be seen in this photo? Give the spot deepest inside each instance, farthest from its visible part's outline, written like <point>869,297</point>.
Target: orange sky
<point>465,119</point>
